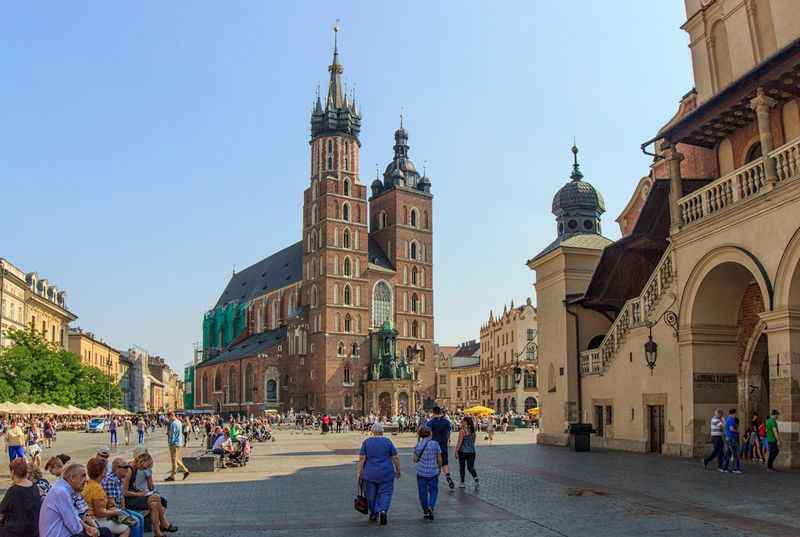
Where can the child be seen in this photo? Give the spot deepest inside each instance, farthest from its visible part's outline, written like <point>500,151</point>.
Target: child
<point>428,461</point>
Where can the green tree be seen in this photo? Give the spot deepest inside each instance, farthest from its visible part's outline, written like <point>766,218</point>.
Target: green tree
<point>33,370</point>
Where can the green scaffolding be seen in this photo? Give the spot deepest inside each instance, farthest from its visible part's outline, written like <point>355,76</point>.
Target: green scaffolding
<point>223,324</point>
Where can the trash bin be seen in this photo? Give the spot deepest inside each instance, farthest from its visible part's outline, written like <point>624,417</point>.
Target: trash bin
<point>579,439</point>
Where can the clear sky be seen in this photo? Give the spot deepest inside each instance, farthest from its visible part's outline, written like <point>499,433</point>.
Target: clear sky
<point>147,148</point>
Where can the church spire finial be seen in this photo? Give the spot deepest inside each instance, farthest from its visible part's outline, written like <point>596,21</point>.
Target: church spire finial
<point>576,171</point>
<point>401,117</point>
<point>336,37</point>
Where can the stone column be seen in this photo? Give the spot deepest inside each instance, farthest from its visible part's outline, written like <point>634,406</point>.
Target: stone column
<point>762,105</point>
<point>674,159</point>
<point>375,409</point>
<point>783,337</point>
<point>395,402</point>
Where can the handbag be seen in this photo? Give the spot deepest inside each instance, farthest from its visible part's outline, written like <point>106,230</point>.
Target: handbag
<point>360,503</point>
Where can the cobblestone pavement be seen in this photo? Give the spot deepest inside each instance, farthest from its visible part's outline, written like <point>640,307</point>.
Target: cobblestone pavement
<point>304,484</point>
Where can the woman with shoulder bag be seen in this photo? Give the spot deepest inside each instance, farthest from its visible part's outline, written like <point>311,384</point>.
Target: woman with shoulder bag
<point>465,450</point>
<point>428,460</point>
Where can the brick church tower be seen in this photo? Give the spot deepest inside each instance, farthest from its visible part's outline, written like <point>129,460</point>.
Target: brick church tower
<point>334,241</point>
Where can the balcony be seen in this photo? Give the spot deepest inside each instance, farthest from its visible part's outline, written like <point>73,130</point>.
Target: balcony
<point>740,185</point>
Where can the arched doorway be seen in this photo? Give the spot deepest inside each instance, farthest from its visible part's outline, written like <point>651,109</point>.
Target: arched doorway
<point>385,404</point>
<point>403,401</point>
<point>531,402</point>
<point>723,300</point>
<point>513,405</point>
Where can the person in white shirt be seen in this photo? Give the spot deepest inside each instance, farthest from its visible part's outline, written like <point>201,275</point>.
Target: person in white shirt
<point>716,426</point>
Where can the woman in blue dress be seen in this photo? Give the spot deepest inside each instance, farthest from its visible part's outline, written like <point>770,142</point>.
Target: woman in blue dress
<point>378,466</point>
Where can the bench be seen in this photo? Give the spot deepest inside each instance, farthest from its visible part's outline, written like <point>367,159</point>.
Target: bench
<point>201,461</point>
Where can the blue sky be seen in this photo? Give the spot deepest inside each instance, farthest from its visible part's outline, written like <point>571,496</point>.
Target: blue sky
<point>147,148</point>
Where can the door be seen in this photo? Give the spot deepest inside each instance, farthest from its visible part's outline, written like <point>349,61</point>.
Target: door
<point>598,420</point>
<point>656,436</point>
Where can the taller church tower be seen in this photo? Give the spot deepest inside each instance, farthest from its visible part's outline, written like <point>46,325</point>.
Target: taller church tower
<point>334,241</point>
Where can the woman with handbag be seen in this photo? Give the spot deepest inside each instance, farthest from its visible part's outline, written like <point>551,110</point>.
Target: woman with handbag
<point>465,450</point>
<point>428,460</point>
<point>378,466</point>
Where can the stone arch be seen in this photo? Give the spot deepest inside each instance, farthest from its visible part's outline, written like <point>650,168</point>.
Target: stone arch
<point>531,402</point>
<point>754,386</point>
<point>724,259</point>
<point>787,278</point>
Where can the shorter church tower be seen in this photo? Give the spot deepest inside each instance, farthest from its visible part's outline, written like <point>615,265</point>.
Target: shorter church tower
<point>563,272</point>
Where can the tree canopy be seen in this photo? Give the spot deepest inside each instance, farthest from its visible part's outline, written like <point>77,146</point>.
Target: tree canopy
<point>32,370</point>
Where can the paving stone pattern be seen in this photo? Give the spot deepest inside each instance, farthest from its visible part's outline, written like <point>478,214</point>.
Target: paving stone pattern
<point>304,485</point>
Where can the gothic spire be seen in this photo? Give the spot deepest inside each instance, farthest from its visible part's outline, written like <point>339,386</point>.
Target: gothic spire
<point>335,92</point>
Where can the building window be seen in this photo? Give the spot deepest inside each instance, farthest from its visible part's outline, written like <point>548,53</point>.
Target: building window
<point>609,415</point>
<point>414,328</point>
<point>381,303</point>
<point>346,239</point>
<point>414,303</point>
<point>414,276</point>
<point>413,250</point>
<point>346,212</point>
<point>248,383</point>
<point>531,334</point>
<point>348,323</point>
<point>354,350</point>
<point>347,374</point>
<point>217,381</point>
<point>348,401</point>
<point>340,349</point>
<point>413,218</point>
<point>347,270</point>
<point>530,379</point>
<point>330,155</point>
<point>347,296</point>
<point>346,181</point>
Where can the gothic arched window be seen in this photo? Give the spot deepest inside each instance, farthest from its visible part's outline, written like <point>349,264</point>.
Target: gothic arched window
<point>330,155</point>
<point>414,276</point>
<point>413,218</point>
<point>248,383</point>
<point>348,296</point>
<point>340,349</point>
<point>347,269</point>
<point>314,297</point>
<point>231,385</point>
<point>381,304</point>
<point>414,329</point>
<point>272,390</point>
<point>414,303</point>
<point>345,212</point>
<point>347,374</point>
<point>346,238</point>
<point>346,181</point>
<point>413,250</point>
<point>348,323</point>
<point>384,220</point>
<point>218,381</point>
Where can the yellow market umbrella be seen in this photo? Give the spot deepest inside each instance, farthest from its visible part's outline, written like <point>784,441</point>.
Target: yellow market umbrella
<point>533,412</point>
<point>25,408</point>
<point>98,411</point>
<point>479,411</point>
<point>7,408</point>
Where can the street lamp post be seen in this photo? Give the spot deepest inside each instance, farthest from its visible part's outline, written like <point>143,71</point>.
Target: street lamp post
<point>108,364</point>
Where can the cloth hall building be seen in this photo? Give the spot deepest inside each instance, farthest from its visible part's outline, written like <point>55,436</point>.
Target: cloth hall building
<point>297,329</point>
<point>697,306</point>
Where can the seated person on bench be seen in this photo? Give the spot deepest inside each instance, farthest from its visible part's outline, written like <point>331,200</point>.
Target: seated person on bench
<point>223,446</point>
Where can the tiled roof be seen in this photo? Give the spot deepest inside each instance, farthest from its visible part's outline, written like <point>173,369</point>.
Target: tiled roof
<point>278,270</point>
<point>377,255</point>
<point>469,349</point>
<point>249,347</point>
<point>465,361</point>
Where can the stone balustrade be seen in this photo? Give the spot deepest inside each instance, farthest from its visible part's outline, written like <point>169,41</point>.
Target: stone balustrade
<point>635,312</point>
<point>739,185</point>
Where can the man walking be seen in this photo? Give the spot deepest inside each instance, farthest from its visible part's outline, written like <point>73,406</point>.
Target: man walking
<point>716,440</point>
<point>773,439</point>
<point>127,427</point>
<point>176,442</point>
<point>112,426</point>
<point>732,437</point>
<point>440,429</point>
